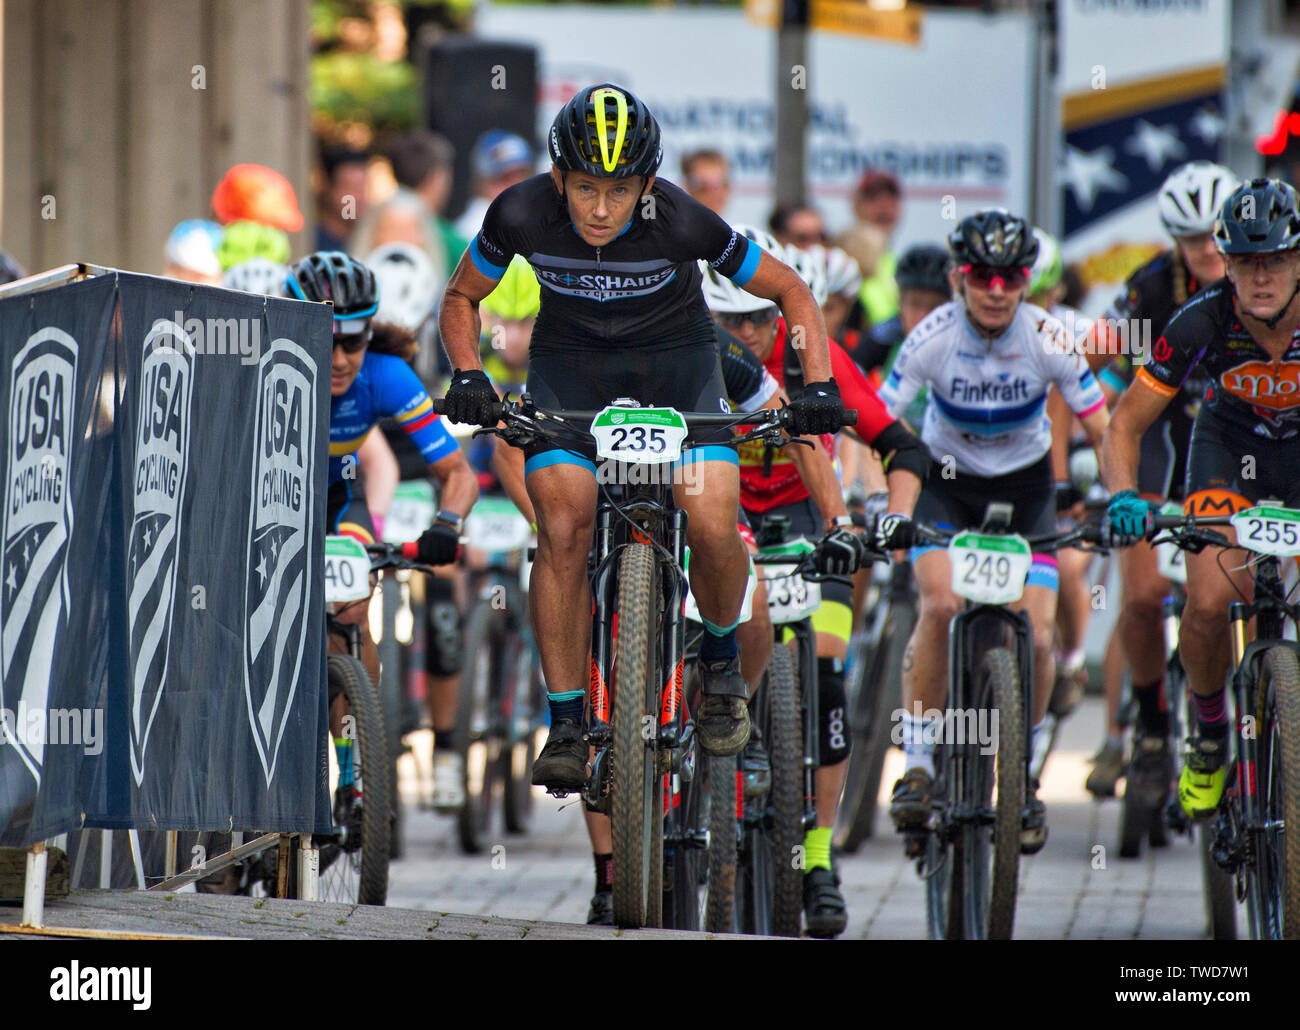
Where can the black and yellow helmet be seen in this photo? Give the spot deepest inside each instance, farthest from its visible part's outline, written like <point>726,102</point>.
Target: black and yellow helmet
<point>607,132</point>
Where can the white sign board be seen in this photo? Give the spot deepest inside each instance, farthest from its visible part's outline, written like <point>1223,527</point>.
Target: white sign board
<point>951,116</point>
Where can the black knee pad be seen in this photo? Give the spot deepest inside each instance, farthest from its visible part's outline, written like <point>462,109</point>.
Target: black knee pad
<point>836,737</point>
<point>443,644</point>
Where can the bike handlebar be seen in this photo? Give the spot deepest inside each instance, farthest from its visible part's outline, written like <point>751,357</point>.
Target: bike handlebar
<point>697,419</point>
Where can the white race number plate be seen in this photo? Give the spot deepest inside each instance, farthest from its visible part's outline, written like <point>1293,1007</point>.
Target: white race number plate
<point>494,524</point>
<point>989,569</point>
<point>1269,530</point>
<point>347,570</point>
<point>1169,556</point>
<point>640,436</point>
<point>410,512</point>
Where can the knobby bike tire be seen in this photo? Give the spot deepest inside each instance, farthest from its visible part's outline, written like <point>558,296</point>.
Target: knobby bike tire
<point>477,704</point>
<point>636,803</point>
<point>992,916</point>
<point>1277,857</point>
<point>685,867</point>
<point>719,909</point>
<point>1220,895</point>
<point>785,751</point>
<point>525,673</point>
<point>882,689</point>
<point>341,867</point>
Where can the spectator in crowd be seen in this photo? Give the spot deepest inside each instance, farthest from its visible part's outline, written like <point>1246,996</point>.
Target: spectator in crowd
<point>1075,291</point>
<point>191,252</point>
<point>255,193</point>
<point>799,225</point>
<point>10,270</point>
<point>878,202</point>
<point>422,165</point>
<point>498,161</point>
<point>706,176</point>
<point>343,197</point>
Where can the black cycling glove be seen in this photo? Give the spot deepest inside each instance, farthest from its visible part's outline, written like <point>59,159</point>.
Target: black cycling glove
<point>818,410</point>
<point>438,545</point>
<point>471,400</point>
<point>840,553</point>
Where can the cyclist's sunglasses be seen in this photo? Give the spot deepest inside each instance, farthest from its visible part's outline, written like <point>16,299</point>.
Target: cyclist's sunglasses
<point>985,277</point>
<point>734,320</point>
<point>351,341</point>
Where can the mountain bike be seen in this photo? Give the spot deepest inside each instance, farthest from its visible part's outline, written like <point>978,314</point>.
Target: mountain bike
<point>1261,797</point>
<point>502,698</point>
<point>770,884</point>
<point>875,690</point>
<point>638,722</point>
<point>968,852</point>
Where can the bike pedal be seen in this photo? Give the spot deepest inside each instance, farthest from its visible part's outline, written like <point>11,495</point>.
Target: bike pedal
<point>914,844</point>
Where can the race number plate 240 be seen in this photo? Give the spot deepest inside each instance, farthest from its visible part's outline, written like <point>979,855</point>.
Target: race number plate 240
<point>641,436</point>
<point>1269,530</point>
<point>989,569</point>
<point>347,570</point>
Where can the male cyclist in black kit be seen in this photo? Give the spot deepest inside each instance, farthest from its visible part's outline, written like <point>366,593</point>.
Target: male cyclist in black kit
<point>622,314</point>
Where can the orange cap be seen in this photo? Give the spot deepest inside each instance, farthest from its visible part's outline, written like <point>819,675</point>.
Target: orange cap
<point>255,193</point>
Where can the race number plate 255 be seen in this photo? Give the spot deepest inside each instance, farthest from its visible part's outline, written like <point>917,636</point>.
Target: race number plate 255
<point>641,436</point>
<point>989,569</point>
<point>347,570</point>
<point>1269,530</point>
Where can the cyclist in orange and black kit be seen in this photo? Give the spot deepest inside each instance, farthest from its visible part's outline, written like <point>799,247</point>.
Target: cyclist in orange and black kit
<point>1243,332</point>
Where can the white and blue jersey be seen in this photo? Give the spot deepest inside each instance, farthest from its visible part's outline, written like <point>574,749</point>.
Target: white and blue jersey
<point>987,404</point>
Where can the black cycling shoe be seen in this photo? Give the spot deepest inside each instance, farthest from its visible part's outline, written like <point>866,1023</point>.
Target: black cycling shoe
<point>562,765</point>
<point>601,912</point>
<point>756,765</point>
<point>722,723</point>
<point>1151,770</point>
<point>825,913</point>
<point>1033,823</point>
<point>909,804</point>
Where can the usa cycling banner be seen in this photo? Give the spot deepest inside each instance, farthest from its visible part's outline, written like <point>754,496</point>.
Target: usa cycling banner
<point>161,602</point>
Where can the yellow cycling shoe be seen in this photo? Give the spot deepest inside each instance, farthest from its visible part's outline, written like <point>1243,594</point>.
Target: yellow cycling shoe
<point>1200,787</point>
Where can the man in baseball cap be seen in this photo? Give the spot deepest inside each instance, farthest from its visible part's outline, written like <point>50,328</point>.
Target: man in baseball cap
<point>499,160</point>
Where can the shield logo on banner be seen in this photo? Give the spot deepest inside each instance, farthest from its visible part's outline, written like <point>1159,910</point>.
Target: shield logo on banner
<point>34,598</point>
<point>280,558</point>
<point>162,439</point>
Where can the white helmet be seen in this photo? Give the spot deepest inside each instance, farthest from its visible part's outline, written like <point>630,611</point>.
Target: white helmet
<point>810,269</point>
<point>256,275</point>
<point>1191,197</point>
<point>763,238</point>
<point>408,284</point>
<point>722,295</point>
<point>843,275</point>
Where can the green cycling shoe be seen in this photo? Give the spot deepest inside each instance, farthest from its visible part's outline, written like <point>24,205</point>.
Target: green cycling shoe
<point>1200,787</point>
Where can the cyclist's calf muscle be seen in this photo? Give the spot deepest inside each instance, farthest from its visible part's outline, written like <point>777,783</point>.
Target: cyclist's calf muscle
<point>1203,633</point>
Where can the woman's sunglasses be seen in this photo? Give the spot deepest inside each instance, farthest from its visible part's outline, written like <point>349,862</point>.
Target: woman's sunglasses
<point>985,277</point>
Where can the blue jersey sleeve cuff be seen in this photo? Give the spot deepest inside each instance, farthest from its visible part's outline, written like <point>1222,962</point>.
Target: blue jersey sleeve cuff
<point>753,254</point>
<point>483,264</point>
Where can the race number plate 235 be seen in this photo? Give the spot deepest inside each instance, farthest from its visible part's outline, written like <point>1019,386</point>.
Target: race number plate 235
<point>989,569</point>
<point>1269,530</point>
<point>641,436</point>
<point>347,570</point>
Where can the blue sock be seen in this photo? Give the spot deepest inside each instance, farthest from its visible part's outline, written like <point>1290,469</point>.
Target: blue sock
<point>718,647</point>
<point>565,705</point>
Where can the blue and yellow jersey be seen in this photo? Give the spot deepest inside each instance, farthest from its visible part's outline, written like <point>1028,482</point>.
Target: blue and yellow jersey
<point>385,387</point>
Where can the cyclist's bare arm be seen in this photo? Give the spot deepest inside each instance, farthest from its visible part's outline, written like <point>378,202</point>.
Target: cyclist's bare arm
<point>1062,420</point>
<point>380,471</point>
<point>1138,407</point>
<point>781,284</point>
<point>457,484</point>
<point>458,319</point>
<point>508,464</point>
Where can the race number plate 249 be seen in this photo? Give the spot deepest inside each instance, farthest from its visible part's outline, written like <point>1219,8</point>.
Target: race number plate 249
<point>1269,530</point>
<point>989,569</point>
<point>347,570</point>
<point>641,436</point>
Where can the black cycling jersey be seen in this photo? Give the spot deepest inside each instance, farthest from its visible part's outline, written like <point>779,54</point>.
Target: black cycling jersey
<point>1246,390</point>
<point>1147,303</point>
<point>638,290</point>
